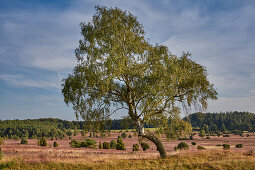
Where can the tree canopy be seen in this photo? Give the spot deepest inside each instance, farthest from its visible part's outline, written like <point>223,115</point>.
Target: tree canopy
<point>117,68</point>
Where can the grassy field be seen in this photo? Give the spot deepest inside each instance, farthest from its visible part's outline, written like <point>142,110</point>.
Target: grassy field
<point>32,156</point>
<point>186,160</point>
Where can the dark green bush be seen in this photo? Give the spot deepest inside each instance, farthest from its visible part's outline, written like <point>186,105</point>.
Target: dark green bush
<point>226,136</point>
<point>226,146</point>
<point>193,143</point>
<point>129,136</point>
<point>55,144</point>
<point>1,141</point>
<point>42,142</point>
<point>100,145</point>
<point>200,147</point>
<point>208,137</point>
<point>88,143</point>
<point>106,145</point>
<point>23,141</point>
<point>182,146</point>
<point>135,147</point>
<point>247,135</point>
<point>1,154</point>
<point>191,137</point>
<point>145,146</point>
<point>239,145</point>
<point>124,135</point>
<point>113,144</point>
<point>120,145</point>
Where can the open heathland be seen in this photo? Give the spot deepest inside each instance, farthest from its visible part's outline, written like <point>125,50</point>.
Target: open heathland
<point>32,156</point>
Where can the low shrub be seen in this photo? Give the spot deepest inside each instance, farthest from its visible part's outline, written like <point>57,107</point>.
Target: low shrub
<point>88,143</point>
<point>208,137</point>
<point>193,143</point>
<point>113,144</point>
<point>1,141</point>
<point>226,136</point>
<point>135,147</point>
<point>55,144</point>
<point>247,135</point>
<point>1,154</point>
<point>120,145</point>
<point>200,147</point>
<point>23,141</point>
<point>182,146</point>
<point>42,142</point>
<point>191,137</point>
<point>239,145</point>
<point>100,145</point>
<point>226,146</point>
<point>106,145</point>
<point>124,135</point>
<point>129,136</point>
<point>145,146</point>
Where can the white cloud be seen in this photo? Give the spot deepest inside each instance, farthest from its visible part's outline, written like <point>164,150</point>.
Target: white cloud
<point>224,104</point>
<point>18,80</point>
<point>42,39</point>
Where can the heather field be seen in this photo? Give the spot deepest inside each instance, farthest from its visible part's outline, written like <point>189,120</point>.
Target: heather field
<point>32,156</point>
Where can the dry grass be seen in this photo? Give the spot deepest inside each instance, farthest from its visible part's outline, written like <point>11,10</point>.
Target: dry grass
<point>32,156</point>
<point>209,159</point>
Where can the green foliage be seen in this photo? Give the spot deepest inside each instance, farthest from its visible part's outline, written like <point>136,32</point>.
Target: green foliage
<point>226,136</point>
<point>1,154</point>
<point>69,133</point>
<point>200,147</point>
<point>226,146</point>
<point>222,122</point>
<point>129,136</point>
<point>208,137</point>
<point>106,145</point>
<point>191,137</point>
<point>124,135</point>
<point>120,145</point>
<point>55,144</point>
<point>23,141</point>
<point>1,141</point>
<point>113,144</point>
<point>193,143</point>
<point>117,66</point>
<point>202,133</point>
<point>100,145</point>
<point>88,143</point>
<point>135,147</point>
<point>145,146</point>
<point>42,142</point>
<point>239,145</point>
<point>75,131</point>
<point>182,146</point>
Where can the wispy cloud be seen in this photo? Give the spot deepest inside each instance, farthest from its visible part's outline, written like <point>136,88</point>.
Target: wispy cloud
<point>18,80</point>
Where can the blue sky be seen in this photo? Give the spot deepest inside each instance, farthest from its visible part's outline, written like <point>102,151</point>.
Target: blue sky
<point>38,39</point>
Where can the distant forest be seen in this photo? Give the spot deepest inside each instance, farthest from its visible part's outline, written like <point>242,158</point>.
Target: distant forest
<point>49,127</point>
<point>229,121</point>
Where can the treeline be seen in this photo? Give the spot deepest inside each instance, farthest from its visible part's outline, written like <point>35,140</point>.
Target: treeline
<point>210,122</point>
<point>47,127</point>
<point>228,121</point>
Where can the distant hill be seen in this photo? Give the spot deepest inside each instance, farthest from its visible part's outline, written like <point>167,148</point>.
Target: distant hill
<point>228,121</point>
